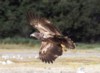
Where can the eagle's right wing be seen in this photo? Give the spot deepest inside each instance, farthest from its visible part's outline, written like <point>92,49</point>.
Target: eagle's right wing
<point>49,51</point>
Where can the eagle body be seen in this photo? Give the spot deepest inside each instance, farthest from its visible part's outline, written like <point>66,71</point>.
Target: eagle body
<point>51,38</point>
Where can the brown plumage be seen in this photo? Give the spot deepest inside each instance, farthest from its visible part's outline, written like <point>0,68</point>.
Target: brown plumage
<point>43,25</point>
<point>50,37</point>
<point>49,51</point>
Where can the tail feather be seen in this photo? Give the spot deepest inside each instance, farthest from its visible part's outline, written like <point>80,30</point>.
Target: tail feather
<point>68,43</point>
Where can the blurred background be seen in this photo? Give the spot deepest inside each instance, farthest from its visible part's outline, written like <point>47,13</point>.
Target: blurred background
<point>78,19</point>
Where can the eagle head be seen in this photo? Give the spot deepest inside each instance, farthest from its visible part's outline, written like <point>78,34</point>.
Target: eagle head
<point>37,35</point>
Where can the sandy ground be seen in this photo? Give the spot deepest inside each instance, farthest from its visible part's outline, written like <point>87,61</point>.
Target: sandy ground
<point>24,61</point>
<point>46,70</point>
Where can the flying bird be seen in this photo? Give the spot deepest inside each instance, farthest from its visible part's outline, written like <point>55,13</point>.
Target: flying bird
<point>52,40</point>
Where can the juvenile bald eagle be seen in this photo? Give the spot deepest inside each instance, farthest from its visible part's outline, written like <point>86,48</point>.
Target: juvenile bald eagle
<point>51,38</point>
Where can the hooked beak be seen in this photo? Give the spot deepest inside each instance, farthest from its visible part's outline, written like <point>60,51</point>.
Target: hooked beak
<point>32,35</point>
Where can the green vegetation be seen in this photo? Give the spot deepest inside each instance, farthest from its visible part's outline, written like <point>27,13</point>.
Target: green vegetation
<point>18,43</point>
<point>78,19</point>
<point>95,46</point>
<point>18,40</point>
<point>30,42</point>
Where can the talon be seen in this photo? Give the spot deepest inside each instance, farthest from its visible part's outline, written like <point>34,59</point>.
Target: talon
<point>63,47</point>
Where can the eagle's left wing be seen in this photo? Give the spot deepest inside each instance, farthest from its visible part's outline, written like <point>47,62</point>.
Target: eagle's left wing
<point>43,25</point>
